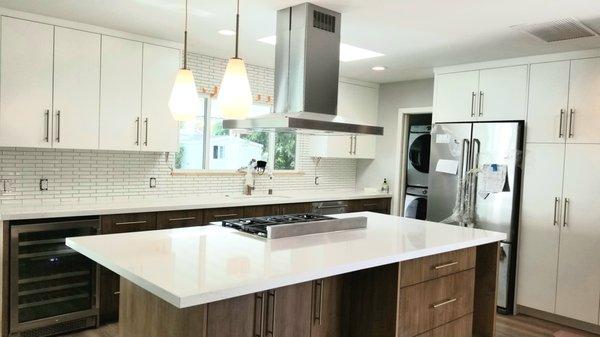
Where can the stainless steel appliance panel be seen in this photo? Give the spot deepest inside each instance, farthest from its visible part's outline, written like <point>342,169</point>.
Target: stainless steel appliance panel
<point>449,142</point>
<point>497,143</point>
<point>504,276</point>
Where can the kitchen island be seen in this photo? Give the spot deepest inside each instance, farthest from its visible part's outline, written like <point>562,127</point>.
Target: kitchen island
<point>398,277</point>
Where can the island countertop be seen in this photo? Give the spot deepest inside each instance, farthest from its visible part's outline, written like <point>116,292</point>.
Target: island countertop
<point>197,265</point>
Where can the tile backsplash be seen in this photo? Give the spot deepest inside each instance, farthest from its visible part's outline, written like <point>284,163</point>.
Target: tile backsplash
<point>91,175</point>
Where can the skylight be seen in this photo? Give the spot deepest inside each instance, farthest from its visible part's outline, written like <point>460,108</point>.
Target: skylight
<point>348,53</point>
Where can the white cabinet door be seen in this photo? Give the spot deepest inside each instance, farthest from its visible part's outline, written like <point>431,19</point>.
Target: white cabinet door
<point>365,147</point>
<point>358,103</point>
<point>548,95</point>
<point>26,83</point>
<point>160,130</point>
<point>540,226</point>
<point>331,146</point>
<point>578,286</point>
<point>120,94</point>
<point>454,99</point>
<point>76,89</point>
<point>502,94</point>
<point>584,101</point>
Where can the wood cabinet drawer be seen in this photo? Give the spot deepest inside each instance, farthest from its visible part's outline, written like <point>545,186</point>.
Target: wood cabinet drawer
<point>177,219</point>
<point>462,327</point>
<point>381,205</point>
<point>431,304</point>
<point>431,267</point>
<point>123,223</point>
<point>219,214</point>
<point>294,208</point>
<point>262,210</point>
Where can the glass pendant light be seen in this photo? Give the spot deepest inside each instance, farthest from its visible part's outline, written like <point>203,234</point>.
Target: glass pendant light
<point>235,97</point>
<point>184,103</point>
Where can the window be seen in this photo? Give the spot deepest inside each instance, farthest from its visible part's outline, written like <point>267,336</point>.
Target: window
<point>204,144</point>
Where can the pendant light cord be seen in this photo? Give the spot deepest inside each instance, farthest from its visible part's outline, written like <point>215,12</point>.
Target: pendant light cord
<point>237,28</point>
<point>185,33</point>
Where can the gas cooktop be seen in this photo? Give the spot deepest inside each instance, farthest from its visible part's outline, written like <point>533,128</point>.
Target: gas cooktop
<point>259,225</point>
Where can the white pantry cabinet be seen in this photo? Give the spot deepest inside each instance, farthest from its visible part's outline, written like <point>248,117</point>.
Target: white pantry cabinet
<point>357,103</point>
<point>559,269</point>
<point>121,94</point>
<point>161,131</point>
<point>584,101</point>
<point>76,89</point>
<point>26,83</point>
<point>495,94</point>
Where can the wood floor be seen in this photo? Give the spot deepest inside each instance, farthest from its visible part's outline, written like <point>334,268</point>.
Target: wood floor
<point>507,326</point>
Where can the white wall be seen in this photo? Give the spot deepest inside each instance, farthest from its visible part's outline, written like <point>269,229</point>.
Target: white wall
<point>392,96</point>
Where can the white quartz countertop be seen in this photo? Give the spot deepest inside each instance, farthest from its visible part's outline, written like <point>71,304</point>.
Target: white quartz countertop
<point>51,210</point>
<point>197,265</point>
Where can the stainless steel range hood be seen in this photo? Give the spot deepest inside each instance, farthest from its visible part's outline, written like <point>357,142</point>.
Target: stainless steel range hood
<point>306,76</point>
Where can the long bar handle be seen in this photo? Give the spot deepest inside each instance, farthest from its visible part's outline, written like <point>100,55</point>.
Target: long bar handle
<point>481,103</point>
<point>355,142</point>
<point>571,113</point>
<point>351,144</point>
<point>446,265</point>
<point>270,313</point>
<point>318,301</point>
<point>441,304</point>
<point>566,213</point>
<point>560,126</point>
<point>137,131</point>
<point>556,203</point>
<point>258,312</point>
<point>230,215</point>
<point>130,223</point>
<point>47,117</point>
<point>146,135</point>
<point>183,219</point>
<point>58,126</point>
<point>473,95</point>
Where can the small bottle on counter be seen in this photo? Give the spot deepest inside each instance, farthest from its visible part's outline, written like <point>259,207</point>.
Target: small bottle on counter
<point>385,187</point>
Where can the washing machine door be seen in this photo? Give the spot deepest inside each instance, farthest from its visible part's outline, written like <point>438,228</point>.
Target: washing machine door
<point>418,153</point>
<point>415,205</point>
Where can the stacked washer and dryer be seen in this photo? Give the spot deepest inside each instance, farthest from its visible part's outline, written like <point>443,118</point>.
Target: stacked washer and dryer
<point>417,171</point>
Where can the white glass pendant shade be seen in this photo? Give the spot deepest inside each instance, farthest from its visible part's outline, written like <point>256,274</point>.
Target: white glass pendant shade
<point>184,103</point>
<point>235,97</point>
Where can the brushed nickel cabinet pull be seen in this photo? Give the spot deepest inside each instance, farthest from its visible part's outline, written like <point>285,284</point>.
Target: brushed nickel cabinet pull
<point>117,293</point>
<point>130,223</point>
<point>58,126</point>
<point>146,135</point>
<point>441,304</point>
<point>571,133</point>
<point>183,219</point>
<point>473,95</point>
<point>318,301</point>
<point>355,142</point>
<point>560,125</point>
<point>271,313</point>
<point>566,212</point>
<point>258,315</point>
<point>446,265</point>
<point>481,103</point>
<point>230,215</point>
<point>47,117</point>
<point>351,144</point>
<point>137,131</point>
<point>556,202</point>
<point>370,205</point>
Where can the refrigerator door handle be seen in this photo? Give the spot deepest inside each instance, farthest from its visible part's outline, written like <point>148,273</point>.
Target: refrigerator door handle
<point>473,184</point>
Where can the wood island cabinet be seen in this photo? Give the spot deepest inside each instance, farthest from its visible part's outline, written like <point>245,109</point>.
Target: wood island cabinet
<point>178,219</point>
<point>219,214</point>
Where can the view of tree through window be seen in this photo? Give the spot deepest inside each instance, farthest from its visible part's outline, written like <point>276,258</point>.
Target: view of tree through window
<point>225,149</point>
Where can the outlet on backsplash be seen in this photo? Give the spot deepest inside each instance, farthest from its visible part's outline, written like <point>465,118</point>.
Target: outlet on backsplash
<point>7,186</point>
<point>43,184</point>
<point>152,182</point>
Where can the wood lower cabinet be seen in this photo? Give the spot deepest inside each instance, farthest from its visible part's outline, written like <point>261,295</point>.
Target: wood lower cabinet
<point>435,266</point>
<point>288,311</point>
<point>234,317</point>
<point>459,327</point>
<point>125,223</point>
<point>178,219</point>
<point>108,296</point>
<point>261,210</point>
<point>219,214</point>
<point>294,208</point>
<point>330,307</point>
<point>381,205</point>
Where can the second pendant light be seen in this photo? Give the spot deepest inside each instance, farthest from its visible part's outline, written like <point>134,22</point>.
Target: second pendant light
<point>235,97</point>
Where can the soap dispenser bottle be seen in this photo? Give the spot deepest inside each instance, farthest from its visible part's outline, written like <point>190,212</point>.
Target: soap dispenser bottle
<point>385,187</point>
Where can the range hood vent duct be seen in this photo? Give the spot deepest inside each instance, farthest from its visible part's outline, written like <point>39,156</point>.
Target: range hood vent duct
<point>307,64</point>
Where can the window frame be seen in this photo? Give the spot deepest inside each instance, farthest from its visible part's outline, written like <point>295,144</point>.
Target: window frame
<point>207,149</point>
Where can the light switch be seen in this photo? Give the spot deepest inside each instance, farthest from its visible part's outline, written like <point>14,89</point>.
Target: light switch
<point>152,182</point>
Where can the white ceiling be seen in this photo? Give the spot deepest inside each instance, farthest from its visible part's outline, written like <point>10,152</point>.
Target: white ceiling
<point>414,35</point>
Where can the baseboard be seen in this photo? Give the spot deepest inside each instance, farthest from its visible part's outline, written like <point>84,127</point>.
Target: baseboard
<point>570,322</point>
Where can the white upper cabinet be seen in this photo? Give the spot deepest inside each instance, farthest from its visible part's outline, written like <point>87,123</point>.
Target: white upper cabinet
<point>160,130</point>
<point>540,226</point>
<point>502,94</point>
<point>584,102</point>
<point>121,94</point>
<point>455,96</point>
<point>578,285</point>
<point>26,83</point>
<point>76,89</point>
<point>548,102</point>
<point>481,95</point>
<point>357,103</point>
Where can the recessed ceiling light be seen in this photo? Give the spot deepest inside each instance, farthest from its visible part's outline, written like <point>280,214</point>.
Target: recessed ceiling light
<point>227,32</point>
<point>348,53</point>
<point>379,68</point>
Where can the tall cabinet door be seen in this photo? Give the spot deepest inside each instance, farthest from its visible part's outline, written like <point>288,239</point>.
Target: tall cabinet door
<point>26,83</point>
<point>503,94</point>
<point>76,89</point>
<point>288,311</point>
<point>540,226</point>
<point>455,97</point>
<point>160,131</point>
<point>578,288</point>
<point>584,101</point>
<point>548,95</point>
<point>120,94</point>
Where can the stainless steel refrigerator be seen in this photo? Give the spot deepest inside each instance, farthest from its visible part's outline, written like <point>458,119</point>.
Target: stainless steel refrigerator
<point>458,194</point>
